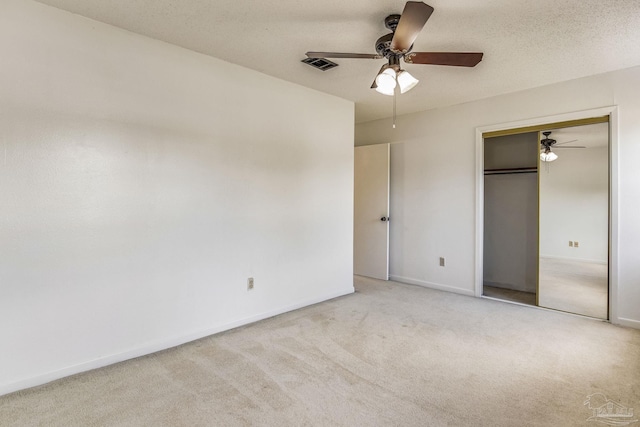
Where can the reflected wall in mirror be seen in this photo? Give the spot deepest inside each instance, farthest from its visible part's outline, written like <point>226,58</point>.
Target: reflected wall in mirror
<point>574,222</point>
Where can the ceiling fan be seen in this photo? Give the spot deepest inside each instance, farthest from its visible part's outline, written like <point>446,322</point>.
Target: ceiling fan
<point>397,45</point>
<point>546,155</point>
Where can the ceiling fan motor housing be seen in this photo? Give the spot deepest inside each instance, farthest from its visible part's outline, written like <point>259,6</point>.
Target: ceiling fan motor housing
<point>547,142</point>
<point>391,21</point>
<point>383,46</point>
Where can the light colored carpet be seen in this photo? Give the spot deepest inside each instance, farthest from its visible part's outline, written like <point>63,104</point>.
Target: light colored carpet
<point>389,355</point>
<point>574,286</point>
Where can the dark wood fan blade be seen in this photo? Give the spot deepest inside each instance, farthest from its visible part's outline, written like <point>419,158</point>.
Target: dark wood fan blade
<point>343,55</point>
<point>458,59</point>
<point>413,18</point>
<point>566,142</point>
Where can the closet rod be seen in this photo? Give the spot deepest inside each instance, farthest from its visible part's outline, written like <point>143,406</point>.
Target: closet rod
<point>510,171</point>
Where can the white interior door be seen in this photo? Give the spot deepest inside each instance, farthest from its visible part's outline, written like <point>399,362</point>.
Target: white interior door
<point>371,211</point>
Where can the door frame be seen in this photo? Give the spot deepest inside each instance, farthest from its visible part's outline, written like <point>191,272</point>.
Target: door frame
<point>382,275</point>
<point>612,112</point>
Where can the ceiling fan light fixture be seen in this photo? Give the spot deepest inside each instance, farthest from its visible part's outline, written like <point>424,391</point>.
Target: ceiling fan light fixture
<point>548,156</point>
<point>406,81</point>
<point>397,46</point>
<point>386,82</point>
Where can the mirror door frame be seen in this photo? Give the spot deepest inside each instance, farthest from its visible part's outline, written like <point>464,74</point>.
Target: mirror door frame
<point>558,120</point>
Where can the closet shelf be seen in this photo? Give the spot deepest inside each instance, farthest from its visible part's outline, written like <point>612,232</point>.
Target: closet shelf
<point>510,171</point>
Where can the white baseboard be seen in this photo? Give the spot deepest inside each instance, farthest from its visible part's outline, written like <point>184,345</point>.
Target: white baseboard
<point>629,323</point>
<point>156,346</point>
<point>432,285</point>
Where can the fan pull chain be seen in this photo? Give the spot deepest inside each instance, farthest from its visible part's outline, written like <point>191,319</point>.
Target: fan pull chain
<point>395,92</point>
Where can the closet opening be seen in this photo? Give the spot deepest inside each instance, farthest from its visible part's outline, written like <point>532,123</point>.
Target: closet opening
<point>546,216</point>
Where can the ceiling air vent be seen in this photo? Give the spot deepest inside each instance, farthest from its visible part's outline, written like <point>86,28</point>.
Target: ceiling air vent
<point>320,63</point>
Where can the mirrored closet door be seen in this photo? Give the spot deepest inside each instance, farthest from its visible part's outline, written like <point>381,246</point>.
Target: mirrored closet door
<point>546,217</point>
<point>574,221</point>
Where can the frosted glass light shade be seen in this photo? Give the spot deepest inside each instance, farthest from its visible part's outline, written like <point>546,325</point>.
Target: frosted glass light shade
<point>548,156</point>
<point>386,82</point>
<point>406,81</point>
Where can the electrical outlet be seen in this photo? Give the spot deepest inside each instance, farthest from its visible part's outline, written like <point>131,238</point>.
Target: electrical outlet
<point>441,261</point>
<point>250,283</point>
<point>570,243</point>
<point>576,244</point>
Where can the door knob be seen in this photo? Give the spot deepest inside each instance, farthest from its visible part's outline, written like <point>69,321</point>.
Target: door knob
<point>384,218</point>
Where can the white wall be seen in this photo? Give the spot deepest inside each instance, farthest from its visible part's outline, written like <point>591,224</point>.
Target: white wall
<point>437,166</point>
<point>142,184</point>
<point>574,205</point>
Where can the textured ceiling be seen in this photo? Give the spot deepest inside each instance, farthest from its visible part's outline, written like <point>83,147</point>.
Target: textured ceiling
<point>526,43</point>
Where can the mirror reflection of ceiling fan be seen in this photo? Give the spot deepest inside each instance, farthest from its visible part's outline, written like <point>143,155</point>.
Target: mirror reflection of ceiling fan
<point>546,155</point>
<point>397,45</point>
